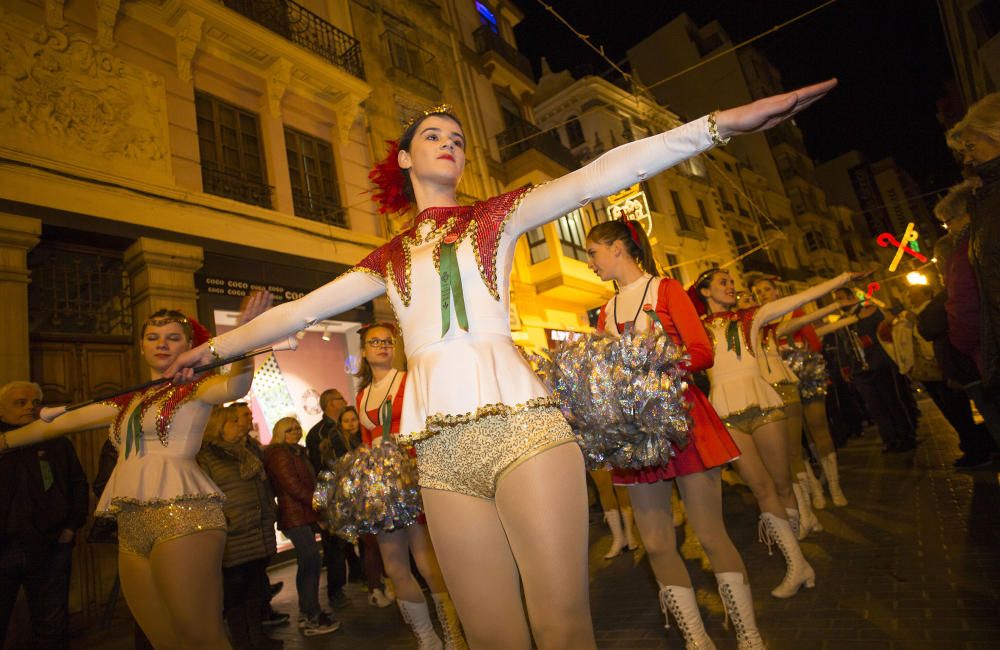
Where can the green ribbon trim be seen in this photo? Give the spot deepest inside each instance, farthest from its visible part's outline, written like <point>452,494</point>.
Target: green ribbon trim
<point>733,338</point>
<point>451,285</point>
<point>653,316</point>
<point>385,417</point>
<point>133,433</point>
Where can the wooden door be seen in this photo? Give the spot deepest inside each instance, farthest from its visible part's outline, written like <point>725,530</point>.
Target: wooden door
<point>70,372</point>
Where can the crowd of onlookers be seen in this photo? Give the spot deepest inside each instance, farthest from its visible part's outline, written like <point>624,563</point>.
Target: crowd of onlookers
<point>947,339</point>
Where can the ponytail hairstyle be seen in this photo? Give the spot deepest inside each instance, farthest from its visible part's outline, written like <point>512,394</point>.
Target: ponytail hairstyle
<point>632,235</point>
<point>703,282</point>
<point>394,190</point>
<point>365,375</point>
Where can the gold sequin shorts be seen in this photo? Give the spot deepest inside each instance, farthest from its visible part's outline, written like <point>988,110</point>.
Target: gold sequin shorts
<point>143,526</point>
<point>472,457</point>
<point>753,418</point>
<point>789,392</point>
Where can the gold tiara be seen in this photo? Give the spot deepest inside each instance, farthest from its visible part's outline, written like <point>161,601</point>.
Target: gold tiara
<point>433,110</point>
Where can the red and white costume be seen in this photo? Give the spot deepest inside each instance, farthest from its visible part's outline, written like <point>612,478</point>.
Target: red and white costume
<point>711,445</point>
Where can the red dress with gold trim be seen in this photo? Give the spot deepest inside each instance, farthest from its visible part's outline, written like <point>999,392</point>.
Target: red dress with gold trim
<point>711,445</point>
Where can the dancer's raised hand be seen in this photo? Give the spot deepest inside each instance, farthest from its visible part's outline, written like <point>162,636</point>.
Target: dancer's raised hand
<point>770,111</point>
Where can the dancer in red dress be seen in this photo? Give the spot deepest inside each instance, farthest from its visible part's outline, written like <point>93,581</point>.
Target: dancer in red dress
<point>619,251</point>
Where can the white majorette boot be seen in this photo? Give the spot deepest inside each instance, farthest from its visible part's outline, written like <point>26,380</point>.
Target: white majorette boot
<point>793,519</point>
<point>808,523</point>
<point>681,603</point>
<point>418,617</point>
<point>736,598</point>
<point>614,520</point>
<point>829,465</point>
<point>628,523</point>
<point>448,618</point>
<point>815,488</point>
<point>798,572</point>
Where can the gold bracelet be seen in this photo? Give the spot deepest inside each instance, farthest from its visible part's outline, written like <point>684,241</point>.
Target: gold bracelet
<point>713,130</point>
<point>211,348</point>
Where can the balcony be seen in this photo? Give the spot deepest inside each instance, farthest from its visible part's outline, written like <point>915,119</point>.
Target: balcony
<point>319,209</point>
<point>236,187</point>
<point>306,29</point>
<point>522,136</point>
<point>488,41</point>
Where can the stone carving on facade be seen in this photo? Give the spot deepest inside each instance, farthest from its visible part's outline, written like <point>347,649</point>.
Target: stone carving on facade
<point>188,37</point>
<point>54,13</point>
<point>64,99</point>
<point>277,77</point>
<point>107,16</point>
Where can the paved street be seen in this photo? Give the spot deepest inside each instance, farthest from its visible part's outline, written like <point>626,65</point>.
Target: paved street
<point>913,562</point>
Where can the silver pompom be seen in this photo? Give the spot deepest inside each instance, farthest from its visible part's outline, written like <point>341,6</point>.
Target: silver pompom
<point>369,490</point>
<point>810,368</point>
<point>623,397</point>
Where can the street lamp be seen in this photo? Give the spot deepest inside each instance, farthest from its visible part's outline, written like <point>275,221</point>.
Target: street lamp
<point>915,278</point>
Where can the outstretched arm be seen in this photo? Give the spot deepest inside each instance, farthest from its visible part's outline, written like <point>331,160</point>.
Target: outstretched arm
<point>636,161</point>
<point>778,308</point>
<point>346,292</point>
<point>837,325</point>
<point>88,417</point>
<point>792,326</point>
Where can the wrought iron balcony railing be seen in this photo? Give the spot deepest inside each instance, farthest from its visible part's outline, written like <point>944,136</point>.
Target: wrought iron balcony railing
<point>521,136</point>
<point>489,41</point>
<point>236,187</point>
<point>319,209</point>
<point>304,28</point>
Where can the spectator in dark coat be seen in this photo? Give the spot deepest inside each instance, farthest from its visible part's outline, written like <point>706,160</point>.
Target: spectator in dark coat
<point>294,481</point>
<point>235,464</point>
<point>977,138</point>
<point>44,500</point>
<point>333,404</point>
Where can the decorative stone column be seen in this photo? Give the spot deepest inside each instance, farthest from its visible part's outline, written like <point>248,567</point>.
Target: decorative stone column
<point>18,235</point>
<point>162,277</point>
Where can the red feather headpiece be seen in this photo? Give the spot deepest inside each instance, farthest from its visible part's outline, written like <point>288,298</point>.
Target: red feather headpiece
<point>697,299</point>
<point>390,181</point>
<point>198,333</point>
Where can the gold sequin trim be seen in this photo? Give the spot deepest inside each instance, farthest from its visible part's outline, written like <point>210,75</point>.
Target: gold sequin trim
<point>747,409</point>
<point>473,458</point>
<point>119,503</point>
<point>438,422</point>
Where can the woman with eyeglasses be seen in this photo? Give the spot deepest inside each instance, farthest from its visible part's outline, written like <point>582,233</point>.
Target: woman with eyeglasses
<point>380,409</point>
<point>502,481</point>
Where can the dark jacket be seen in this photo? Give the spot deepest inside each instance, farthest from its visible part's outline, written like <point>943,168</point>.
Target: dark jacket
<point>43,491</point>
<point>933,324</point>
<point>325,429</point>
<point>984,254</point>
<point>249,507</point>
<point>294,481</point>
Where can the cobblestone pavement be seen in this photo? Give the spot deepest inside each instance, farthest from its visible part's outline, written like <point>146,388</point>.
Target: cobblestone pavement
<point>912,562</point>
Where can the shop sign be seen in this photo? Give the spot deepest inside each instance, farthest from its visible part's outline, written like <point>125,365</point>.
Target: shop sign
<point>631,203</point>
<point>239,288</point>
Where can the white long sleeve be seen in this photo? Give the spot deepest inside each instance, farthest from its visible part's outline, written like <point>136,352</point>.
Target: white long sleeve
<point>346,292</point>
<point>775,310</point>
<point>617,169</point>
<point>788,328</point>
<point>82,419</point>
<point>836,325</point>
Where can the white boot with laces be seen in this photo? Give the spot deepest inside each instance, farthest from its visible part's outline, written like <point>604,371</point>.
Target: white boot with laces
<point>682,604</point>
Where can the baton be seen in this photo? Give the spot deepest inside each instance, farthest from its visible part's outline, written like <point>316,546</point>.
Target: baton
<point>50,413</point>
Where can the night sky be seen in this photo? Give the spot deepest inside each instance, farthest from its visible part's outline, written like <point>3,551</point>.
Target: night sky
<point>890,56</point>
